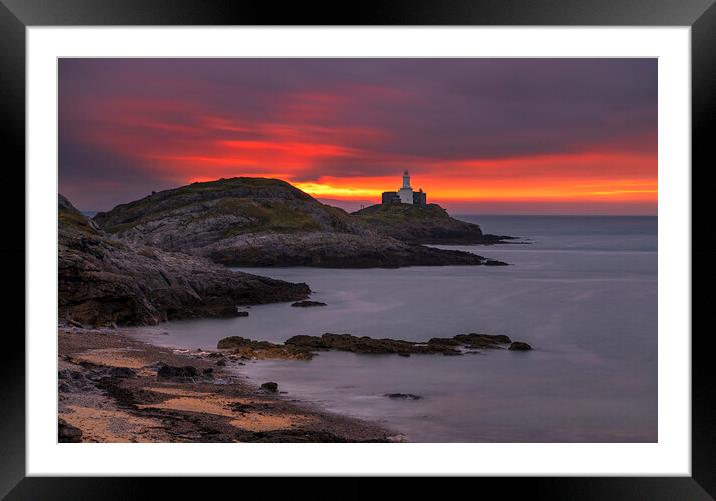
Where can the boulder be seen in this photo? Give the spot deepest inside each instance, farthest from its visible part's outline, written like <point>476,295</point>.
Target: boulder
<point>68,433</point>
<point>171,372</point>
<point>270,387</point>
<point>122,372</point>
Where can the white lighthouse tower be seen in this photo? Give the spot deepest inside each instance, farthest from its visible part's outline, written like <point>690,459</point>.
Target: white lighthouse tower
<point>406,192</point>
<point>405,195</point>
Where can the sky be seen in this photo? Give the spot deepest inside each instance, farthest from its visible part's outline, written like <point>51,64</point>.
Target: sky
<point>480,136</point>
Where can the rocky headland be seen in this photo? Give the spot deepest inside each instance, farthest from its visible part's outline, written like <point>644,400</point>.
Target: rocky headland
<point>104,281</point>
<point>265,222</point>
<point>425,225</point>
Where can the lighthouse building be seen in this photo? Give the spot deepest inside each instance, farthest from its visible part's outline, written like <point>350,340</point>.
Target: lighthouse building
<point>405,195</point>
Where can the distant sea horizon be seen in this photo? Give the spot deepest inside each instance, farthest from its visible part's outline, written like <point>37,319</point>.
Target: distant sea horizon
<point>458,215</point>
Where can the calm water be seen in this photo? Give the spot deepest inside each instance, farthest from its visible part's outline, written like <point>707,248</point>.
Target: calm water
<point>583,293</point>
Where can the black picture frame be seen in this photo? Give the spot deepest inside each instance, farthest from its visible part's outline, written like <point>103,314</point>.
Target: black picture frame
<point>16,15</point>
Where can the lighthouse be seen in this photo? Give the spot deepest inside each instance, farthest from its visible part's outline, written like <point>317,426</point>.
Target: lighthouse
<point>405,195</point>
<point>406,192</point>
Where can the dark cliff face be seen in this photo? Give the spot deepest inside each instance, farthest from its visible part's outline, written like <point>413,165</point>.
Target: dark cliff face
<point>263,222</point>
<point>104,281</point>
<point>423,225</point>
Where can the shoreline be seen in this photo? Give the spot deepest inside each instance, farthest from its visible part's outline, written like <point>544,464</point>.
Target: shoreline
<point>113,387</point>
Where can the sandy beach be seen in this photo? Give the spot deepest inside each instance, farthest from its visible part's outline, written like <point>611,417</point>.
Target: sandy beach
<point>112,389</point>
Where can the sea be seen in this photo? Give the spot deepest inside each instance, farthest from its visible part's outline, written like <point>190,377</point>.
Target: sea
<point>581,290</point>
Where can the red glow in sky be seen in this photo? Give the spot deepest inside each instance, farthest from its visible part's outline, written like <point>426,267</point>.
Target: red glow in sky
<point>478,135</point>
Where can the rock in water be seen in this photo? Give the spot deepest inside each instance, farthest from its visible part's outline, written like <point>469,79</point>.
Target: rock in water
<point>519,346</point>
<point>403,396</point>
<point>368,345</point>
<point>306,304</point>
<point>262,350</point>
<point>234,342</point>
<point>474,340</point>
<point>103,281</point>
<point>303,347</point>
<point>270,387</point>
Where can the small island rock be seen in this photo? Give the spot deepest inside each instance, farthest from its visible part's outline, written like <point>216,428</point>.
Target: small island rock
<point>403,396</point>
<point>306,304</point>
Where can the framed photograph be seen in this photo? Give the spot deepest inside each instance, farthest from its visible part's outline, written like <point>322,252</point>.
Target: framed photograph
<point>419,241</point>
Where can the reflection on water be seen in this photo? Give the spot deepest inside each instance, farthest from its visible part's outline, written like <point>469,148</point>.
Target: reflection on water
<point>584,294</point>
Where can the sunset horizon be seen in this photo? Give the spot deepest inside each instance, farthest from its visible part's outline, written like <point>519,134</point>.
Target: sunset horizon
<point>497,207</point>
<point>481,136</point>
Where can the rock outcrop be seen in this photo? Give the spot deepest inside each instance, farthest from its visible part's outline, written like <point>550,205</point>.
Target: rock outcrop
<point>270,387</point>
<point>103,281</point>
<point>519,346</point>
<point>249,349</point>
<point>308,304</point>
<point>303,347</point>
<point>403,396</point>
<point>368,345</point>
<point>177,373</point>
<point>424,225</point>
<point>265,222</point>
